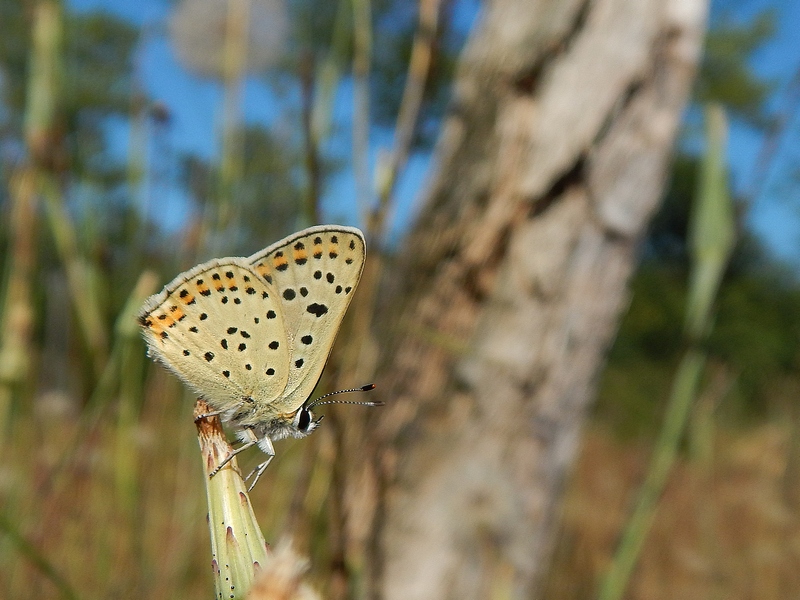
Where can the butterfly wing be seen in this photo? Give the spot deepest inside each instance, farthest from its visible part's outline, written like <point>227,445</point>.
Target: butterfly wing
<point>220,328</point>
<point>315,273</point>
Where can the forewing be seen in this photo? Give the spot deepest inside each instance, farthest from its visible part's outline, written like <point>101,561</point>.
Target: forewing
<point>220,328</point>
<point>315,273</point>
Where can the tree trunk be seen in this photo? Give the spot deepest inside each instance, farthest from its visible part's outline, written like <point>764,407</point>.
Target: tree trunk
<point>551,163</point>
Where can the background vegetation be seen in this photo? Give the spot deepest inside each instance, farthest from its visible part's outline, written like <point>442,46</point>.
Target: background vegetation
<point>101,485</point>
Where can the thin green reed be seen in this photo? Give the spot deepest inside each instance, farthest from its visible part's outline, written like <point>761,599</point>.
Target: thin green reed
<point>319,86</point>
<point>391,166</point>
<point>711,241</point>
<point>362,61</point>
<point>17,315</point>
<point>41,115</point>
<point>41,123</point>
<point>130,359</point>
<point>234,65</point>
<point>83,292</point>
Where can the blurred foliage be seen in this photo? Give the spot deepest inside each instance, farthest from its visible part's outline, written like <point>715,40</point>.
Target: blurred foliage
<point>396,30</point>
<point>394,23</point>
<point>267,195</point>
<point>119,224</point>
<point>725,74</point>
<point>98,56</point>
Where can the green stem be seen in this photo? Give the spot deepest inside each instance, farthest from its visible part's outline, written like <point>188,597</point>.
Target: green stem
<point>684,390</point>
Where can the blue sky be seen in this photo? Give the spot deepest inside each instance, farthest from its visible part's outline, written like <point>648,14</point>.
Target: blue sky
<point>774,215</point>
<point>195,103</point>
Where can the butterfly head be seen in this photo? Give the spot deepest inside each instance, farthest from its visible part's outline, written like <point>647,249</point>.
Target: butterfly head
<point>304,419</point>
<point>304,422</point>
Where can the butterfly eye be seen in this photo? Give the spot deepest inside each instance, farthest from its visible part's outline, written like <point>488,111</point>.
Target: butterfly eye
<point>304,419</point>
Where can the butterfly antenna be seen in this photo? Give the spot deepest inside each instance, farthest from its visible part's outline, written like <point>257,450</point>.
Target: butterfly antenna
<point>363,388</point>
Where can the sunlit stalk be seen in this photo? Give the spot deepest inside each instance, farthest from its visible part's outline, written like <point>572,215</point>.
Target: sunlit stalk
<point>329,74</point>
<point>391,166</point>
<point>319,86</point>
<point>362,58</point>
<point>310,212</point>
<point>130,359</point>
<point>234,68</point>
<point>41,114</point>
<point>238,548</point>
<point>84,300</point>
<point>17,309</point>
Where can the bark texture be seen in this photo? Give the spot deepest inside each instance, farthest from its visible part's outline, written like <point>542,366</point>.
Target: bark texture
<point>551,163</point>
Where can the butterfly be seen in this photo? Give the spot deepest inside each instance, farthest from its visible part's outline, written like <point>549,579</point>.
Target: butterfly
<point>251,336</point>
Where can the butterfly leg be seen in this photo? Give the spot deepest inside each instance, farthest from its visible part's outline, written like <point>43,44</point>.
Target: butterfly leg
<point>215,413</point>
<point>251,441</point>
<point>219,413</point>
<point>266,446</point>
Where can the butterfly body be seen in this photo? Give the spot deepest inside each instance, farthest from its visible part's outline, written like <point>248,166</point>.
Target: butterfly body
<point>251,335</point>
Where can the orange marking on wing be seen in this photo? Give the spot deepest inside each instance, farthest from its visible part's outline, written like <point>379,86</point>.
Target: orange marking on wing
<point>177,313</point>
<point>188,299</point>
<point>202,288</point>
<point>300,254</point>
<point>262,269</point>
<point>280,261</point>
<point>156,325</point>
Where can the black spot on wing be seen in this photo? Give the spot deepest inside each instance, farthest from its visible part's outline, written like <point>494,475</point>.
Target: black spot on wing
<point>317,309</point>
